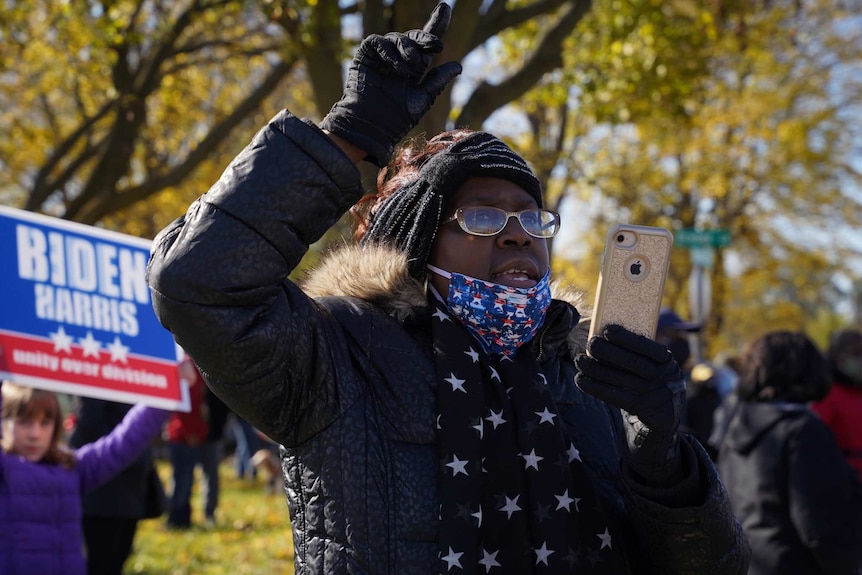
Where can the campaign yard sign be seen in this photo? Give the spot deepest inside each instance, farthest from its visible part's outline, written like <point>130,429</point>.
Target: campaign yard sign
<point>76,315</point>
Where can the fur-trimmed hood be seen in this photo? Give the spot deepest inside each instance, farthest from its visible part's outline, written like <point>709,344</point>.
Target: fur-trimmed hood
<point>379,275</point>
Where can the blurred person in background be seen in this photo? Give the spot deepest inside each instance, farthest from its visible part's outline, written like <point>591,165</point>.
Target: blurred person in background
<point>673,332</point>
<point>702,398</point>
<point>212,453</point>
<point>798,500</point>
<point>728,378</point>
<point>842,408</point>
<point>185,434</point>
<point>112,511</point>
<point>247,444</point>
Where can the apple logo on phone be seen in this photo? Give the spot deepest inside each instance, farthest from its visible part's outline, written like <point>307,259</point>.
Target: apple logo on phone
<point>636,268</point>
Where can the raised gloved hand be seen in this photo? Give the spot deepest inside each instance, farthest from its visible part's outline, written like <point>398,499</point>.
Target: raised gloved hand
<point>640,377</point>
<point>389,87</point>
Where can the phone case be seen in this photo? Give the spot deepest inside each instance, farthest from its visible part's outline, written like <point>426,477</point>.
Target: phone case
<point>631,282</point>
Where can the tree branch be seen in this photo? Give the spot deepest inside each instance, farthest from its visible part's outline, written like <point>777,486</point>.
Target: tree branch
<point>218,134</point>
<point>548,56</point>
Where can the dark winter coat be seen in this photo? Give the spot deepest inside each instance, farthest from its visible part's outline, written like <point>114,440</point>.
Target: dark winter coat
<point>40,504</point>
<point>125,495</point>
<point>346,381</point>
<point>798,500</point>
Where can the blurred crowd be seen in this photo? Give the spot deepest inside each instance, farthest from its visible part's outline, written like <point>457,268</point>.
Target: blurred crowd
<point>783,423</point>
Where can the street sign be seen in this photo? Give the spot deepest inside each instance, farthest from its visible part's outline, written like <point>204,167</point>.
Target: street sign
<point>692,238</point>
<point>702,257</point>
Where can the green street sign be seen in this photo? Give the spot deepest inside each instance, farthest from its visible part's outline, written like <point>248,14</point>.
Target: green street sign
<point>691,238</point>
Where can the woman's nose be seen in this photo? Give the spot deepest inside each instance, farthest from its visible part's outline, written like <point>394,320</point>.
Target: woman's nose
<point>514,234</point>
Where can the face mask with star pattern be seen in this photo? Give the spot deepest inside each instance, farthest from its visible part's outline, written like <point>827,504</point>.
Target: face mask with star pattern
<point>501,318</point>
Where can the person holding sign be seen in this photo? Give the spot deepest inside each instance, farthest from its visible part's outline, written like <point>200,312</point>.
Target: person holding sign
<point>42,484</point>
<point>112,511</point>
<point>422,384</point>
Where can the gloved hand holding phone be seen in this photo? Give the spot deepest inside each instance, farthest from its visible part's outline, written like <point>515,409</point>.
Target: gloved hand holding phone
<point>642,378</point>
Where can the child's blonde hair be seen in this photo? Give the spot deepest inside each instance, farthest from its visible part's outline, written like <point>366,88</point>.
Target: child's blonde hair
<point>26,402</point>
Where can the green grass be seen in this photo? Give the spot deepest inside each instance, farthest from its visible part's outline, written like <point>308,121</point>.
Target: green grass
<point>251,536</point>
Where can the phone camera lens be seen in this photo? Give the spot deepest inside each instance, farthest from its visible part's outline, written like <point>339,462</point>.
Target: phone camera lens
<point>620,238</point>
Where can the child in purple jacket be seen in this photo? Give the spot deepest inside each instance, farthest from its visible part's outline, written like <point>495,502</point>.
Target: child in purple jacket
<point>41,483</point>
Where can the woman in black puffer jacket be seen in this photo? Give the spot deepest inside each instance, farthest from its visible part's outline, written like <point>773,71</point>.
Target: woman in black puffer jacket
<point>422,383</point>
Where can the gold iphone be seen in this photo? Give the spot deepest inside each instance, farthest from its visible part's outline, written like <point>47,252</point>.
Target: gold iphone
<point>631,281</point>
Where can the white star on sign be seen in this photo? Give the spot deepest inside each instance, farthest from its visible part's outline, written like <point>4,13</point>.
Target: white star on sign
<point>606,539</point>
<point>90,345</point>
<point>453,559</point>
<point>119,352</point>
<point>511,506</point>
<point>496,418</point>
<point>474,355</point>
<point>489,560</point>
<point>542,554</point>
<point>546,416</point>
<point>564,501</point>
<point>62,341</point>
<point>456,383</point>
<point>494,374</point>
<point>573,453</point>
<point>532,460</point>
<point>458,465</point>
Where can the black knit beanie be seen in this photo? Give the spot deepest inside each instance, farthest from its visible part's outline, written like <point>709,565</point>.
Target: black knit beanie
<point>410,217</point>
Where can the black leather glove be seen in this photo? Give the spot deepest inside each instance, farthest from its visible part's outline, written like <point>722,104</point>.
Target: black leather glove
<point>389,87</point>
<point>640,377</point>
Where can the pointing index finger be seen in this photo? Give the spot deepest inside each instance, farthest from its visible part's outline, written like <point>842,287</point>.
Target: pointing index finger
<point>438,22</point>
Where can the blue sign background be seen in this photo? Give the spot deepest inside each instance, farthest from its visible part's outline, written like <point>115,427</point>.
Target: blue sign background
<point>17,306</point>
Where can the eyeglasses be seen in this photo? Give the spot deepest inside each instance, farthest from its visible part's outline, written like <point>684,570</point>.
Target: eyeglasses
<point>488,221</point>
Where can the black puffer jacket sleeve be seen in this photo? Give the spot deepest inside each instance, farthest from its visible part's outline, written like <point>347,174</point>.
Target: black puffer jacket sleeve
<point>704,538</point>
<point>218,281</point>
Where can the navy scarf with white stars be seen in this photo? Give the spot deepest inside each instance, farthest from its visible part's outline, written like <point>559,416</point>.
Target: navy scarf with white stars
<point>514,494</point>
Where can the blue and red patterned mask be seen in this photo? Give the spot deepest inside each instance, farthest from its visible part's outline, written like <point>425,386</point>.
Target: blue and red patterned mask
<point>501,318</point>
